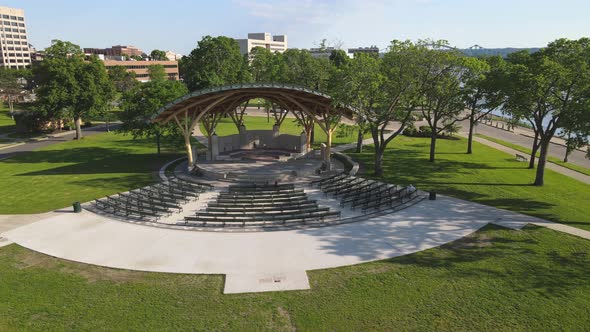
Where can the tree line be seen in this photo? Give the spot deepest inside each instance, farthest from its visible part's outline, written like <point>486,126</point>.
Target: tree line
<point>548,89</point>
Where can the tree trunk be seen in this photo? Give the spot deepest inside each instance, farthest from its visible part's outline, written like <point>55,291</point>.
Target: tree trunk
<point>312,136</point>
<point>189,151</point>
<point>432,145</point>
<point>470,137</point>
<point>539,179</point>
<point>567,147</point>
<point>534,151</point>
<point>379,162</point>
<point>359,142</point>
<point>328,148</point>
<point>78,123</point>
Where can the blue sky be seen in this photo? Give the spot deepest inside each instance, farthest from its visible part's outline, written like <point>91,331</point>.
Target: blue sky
<point>178,25</point>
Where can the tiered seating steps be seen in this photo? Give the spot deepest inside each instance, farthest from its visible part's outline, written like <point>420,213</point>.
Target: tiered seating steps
<point>268,205</point>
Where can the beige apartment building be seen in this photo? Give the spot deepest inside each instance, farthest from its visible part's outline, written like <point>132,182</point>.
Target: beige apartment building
<point>265,40</point>
<point>13,39</point>
<point>140,68</point>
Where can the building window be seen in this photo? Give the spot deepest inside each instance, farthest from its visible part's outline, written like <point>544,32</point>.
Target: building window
<point>21,18</point>
<point>22,31</point>
<point>4,16</point>
<point>22,25</point>
<point>14,24</point>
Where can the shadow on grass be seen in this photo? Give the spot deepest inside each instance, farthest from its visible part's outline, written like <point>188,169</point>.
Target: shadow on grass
<point>487,253</point>
<point>93,159</point>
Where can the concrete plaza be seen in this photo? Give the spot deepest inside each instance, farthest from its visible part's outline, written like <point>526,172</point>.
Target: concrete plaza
<point>260,261</point>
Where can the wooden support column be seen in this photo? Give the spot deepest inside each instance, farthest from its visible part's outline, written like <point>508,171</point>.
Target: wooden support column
<point>186,132</point>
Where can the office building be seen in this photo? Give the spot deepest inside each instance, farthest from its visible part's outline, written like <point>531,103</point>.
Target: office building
<point>367,50</point>
<point>13,39</point>
<point>140,68</point>
<point>265,40</point>
<point>117,50</point>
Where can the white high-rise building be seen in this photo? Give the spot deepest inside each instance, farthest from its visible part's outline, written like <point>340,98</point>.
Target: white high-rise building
<point>264,40</point>
<point>13,39</point>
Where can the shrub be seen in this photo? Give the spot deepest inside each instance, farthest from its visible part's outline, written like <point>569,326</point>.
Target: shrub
<point>411,131</point>
<point>425,131</point>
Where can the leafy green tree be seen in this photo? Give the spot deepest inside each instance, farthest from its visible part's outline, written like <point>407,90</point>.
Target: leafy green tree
<point>157,73</point>
<point>158,55</point>
<point>136,57</point>
<point>442,100</point>
<point>547,88</point>
<point>382,91</point>
<point>216,61</point>
<point>140,104</point>
<point>13,84</point>
<point>339,58</point>
<point>480,90</point>
<point>69,86</point>
<point>122,79</point>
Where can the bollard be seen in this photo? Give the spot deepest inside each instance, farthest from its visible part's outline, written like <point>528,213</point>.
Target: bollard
<point>432,196</point>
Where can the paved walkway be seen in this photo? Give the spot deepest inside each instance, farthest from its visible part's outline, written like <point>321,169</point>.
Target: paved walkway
<point>560,169</point>
<point>13,150</point>
<point>524,137</point>
<point>266,261</point>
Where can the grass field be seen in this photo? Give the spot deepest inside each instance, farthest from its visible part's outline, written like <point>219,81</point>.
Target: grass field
<point>487,176</point>
<point>528,151</point>
<point>7,125</point>
<point>289,126</point>
<point>56,176</point>
<point>495,279</point>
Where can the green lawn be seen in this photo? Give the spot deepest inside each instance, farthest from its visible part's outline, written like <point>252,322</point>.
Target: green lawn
<point>573,167</point>
<point>487,176</point>
<point>7,125</point>
<point>289,126</point>
<point>56,176</point>
<point>495,279</point>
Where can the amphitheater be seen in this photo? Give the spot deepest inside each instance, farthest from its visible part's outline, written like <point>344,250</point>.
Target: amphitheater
<point>260,207</point>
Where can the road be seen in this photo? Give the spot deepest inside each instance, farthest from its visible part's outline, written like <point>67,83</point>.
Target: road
<point>555,150</point>
<point>34,145</point>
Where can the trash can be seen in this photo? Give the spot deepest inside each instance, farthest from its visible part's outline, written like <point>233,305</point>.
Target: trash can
<point>77,207</point>
<point>432,196</point>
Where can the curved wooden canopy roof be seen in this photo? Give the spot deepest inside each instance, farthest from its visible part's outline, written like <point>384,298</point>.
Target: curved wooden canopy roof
<point>227,98</point>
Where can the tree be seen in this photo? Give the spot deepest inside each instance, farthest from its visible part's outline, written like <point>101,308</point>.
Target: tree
<point>122,79</point>
<point>216,61</point>
<point>13,84</point>
<point>262,65</point>
<point>69,86</point>
<point>141,103</point>
<point>136,57</point>
<point>547,88</point>
<point>480,93</point>
<point>157,55</point>
<point>382,91</point>
<point>157,73</point>
<point>442,98</point>
<point>339,58</point>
